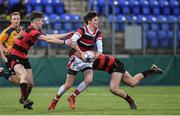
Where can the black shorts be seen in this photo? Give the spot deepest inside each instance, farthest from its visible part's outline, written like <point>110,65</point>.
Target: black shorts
<point>13,60</point>
<point>118,66</point>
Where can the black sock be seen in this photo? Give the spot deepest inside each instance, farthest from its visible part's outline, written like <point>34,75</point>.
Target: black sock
<point>29,90</point>
<point>128,99</point>
<point>23,87</point>
<point>148,73</point>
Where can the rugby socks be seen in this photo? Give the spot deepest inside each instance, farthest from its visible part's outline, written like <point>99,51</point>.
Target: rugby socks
<point>148,73</point>
<point>23,87</point>
<point>61,91</point>
<point>29,89</point>
<point>82,86</point>
<point>129,99</point>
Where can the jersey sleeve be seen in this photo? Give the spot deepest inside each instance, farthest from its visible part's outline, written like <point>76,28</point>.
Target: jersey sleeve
<point>100,36</point>
<point>79,32</point>
<point>3,37</point>
<point>35,34</point>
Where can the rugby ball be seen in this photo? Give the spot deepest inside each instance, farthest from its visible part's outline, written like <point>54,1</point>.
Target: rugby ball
<point>89,56</point>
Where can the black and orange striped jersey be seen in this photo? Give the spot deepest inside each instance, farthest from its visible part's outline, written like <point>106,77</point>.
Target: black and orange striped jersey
<point>9,35</point>
<point>108,63</point>
<point>104,62</point>
<point>87,40</point>
<point>25,41</point>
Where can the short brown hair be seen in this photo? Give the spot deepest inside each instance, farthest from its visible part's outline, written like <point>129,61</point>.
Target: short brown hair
<point>36,14</point>
<point>90,15</point>
<point>14,13</point>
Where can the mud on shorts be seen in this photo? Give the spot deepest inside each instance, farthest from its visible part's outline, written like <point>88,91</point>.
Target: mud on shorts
<point>76,64</point>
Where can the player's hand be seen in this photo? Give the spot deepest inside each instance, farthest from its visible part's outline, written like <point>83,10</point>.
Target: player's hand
<point>68,42</point>
<point>96,54</point>
<point>69,34</point>
<point>82,56</point>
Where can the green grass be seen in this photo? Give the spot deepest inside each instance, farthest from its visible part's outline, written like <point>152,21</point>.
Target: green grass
<point>164,100</point>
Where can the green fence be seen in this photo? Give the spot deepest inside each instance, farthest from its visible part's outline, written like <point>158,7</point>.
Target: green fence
<point>51,71</point>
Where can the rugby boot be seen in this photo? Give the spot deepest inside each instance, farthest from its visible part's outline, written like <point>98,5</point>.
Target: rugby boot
<point>52,105</point>
<point>71,102</point>
<point>156,69</point>
<point>28,104</point>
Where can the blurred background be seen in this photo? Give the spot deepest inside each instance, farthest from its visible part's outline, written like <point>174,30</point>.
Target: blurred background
<point>141,32</point>
<point>128,26</point>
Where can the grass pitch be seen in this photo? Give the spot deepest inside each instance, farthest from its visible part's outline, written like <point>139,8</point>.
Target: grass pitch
<point>151,100</point>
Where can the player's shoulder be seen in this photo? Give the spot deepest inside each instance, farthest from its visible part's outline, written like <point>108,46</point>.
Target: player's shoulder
<point>8,29</point>
<point>30,29</point>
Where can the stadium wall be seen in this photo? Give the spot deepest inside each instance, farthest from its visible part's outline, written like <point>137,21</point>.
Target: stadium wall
<point>51,71</point>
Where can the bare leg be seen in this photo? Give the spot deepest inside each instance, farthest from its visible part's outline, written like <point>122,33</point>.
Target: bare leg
<point>22,74</point>
<point>114,85</point>
<point>114,88</point>
<point>132,81</point>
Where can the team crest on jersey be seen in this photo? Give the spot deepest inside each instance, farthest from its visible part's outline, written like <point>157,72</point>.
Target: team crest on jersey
<point>17,61</point>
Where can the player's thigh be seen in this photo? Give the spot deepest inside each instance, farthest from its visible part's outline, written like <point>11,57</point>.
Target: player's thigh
<point>127,78</point>
<point>20,71</point>
<point>115,80</point>
<point>30,76</point>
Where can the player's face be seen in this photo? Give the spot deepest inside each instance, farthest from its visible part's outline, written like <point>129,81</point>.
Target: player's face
<point>15,20</point>
<point>40,23</point>
<point>95,22</point>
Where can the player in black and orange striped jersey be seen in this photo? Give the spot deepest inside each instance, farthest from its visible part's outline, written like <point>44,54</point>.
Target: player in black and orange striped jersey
<point>18,60</point>
<point>7,39</point>
<point>116,68</point>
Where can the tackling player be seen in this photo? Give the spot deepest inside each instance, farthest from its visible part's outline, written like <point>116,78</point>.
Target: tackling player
<point>18,57</point>
<point>118,72</point>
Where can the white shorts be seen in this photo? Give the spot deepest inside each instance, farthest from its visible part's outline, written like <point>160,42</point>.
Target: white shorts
<point>76,64</point>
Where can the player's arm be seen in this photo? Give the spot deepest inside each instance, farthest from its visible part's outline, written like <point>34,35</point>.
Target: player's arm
<point>51,39</point>
<point>74,45</point>
<point>61,36</point>
<point>99,45</point>
<point>3,38</point>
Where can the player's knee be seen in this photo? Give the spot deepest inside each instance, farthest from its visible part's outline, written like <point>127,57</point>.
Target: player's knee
<point>88,81</point>
<point>67,86</point>
<point>132,84</point>
<point>113,89</point>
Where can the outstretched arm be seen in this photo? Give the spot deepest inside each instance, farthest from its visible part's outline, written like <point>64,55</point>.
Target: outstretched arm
<point>51,39</point>
<point>61,36</point>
